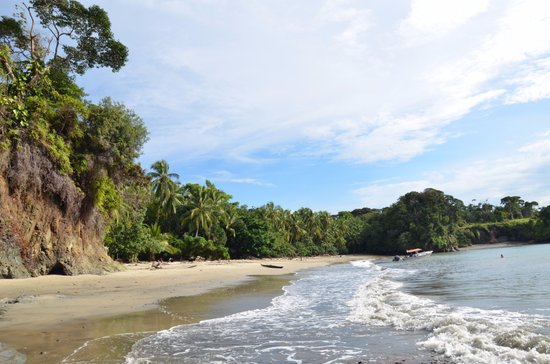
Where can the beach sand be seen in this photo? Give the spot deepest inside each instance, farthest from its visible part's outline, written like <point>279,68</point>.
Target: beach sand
<point>48,318</point>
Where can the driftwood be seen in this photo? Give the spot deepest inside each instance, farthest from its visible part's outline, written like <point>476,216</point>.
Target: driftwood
<point>272,266</point>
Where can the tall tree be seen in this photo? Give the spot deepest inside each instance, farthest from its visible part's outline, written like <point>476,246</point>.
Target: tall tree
<point>200,216</point>
<point>529,208</point>
<point>164,188</point>
<point>512,205</point>
<point>208,212</point>
<point>78,38</point>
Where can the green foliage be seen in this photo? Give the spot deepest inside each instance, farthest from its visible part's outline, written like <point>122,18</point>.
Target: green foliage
<point>11,33</point>
<point>127,238</point>
<point>427,219</point>
<point>158,243</point>
<point>353,228</point>
<point>55,145</point>
<point>165,189</point>
<point>42,108</point>
<point>514,230</point>
<point>207,224</point>
<point>256,237</point>
<point>206,207</point>
<point>81,37</point>
<point>197,246</point>
<point>106,196</point>
<point>512,206</point>
<point>114,135</point>
<point>544,215</point>
<point>96,146</point>
<point>542,225</point>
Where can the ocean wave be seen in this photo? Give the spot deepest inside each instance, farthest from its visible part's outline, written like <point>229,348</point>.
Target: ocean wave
<point>304,324</point>
<point>462,334</point>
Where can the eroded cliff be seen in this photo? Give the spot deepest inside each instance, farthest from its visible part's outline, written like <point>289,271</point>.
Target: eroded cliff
<point>46,226</point>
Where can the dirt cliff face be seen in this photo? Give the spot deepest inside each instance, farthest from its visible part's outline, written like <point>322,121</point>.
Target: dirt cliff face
<point>45,227</point>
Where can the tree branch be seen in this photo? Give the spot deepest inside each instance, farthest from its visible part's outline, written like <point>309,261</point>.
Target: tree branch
<point>57,41</point>
<point>32,36</point>
<point>7,66</point>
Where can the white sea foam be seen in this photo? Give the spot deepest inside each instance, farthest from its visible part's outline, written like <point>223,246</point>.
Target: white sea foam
<point>366,264</point>
<point>307,325</point>
<point>463,334</point>
<point>304,322</point>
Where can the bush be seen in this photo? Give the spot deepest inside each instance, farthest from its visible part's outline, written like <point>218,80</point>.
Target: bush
<point>197,246</point>
<point>127,238</point>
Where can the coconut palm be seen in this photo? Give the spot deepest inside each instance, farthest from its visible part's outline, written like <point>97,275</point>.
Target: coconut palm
<point>200,216</point>
<point>158,242</point>
<point>207,206</point>
<point>164,187</point>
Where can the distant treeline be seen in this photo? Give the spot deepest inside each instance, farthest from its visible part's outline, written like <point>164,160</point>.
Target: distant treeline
<point>93,146</point>
<point>186,221</point>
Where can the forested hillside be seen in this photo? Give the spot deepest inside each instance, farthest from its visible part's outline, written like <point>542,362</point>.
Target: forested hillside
<point>64,161</point>
<point>72,195</point>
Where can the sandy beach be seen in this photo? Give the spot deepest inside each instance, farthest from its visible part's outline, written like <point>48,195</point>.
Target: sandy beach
<point>47,318</point>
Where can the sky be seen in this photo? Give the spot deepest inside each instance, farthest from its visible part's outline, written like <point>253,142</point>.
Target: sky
<point>339,104</point>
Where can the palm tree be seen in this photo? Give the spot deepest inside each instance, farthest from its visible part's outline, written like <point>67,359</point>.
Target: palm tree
<point>164,187</point>
<point>173,199</point>
<point>207,206</point>
<point>296,230</point>
<point>230,218</point>
<point>158,242</point>
<point>310,222</point>
<point>199,217</point>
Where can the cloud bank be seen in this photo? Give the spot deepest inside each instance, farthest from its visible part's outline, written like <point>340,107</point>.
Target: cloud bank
<point>336,79</point>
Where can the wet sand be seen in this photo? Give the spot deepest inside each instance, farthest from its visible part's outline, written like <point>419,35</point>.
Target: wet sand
<point>48,318</point>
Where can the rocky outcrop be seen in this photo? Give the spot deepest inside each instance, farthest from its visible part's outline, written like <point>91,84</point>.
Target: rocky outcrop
<point>45,227</point>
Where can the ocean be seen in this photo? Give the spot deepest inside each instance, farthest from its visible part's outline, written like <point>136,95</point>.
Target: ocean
<point>472,306</point>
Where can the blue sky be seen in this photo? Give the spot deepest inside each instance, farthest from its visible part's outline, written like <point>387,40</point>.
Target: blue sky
<point>339,104</point>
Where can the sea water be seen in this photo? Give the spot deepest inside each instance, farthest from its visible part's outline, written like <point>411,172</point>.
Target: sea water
<point>472,306</point>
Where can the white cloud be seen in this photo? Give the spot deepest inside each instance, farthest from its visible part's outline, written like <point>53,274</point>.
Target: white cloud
<point>226,176</point>
<point>338,79</point>
<point>532,83</point>
<point>436,18</point>
<point>383,194</point>
<point>523,172</point>
<point>356,22</point>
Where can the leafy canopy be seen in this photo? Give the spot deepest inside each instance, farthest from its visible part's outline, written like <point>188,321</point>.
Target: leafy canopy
<point>78,38</point>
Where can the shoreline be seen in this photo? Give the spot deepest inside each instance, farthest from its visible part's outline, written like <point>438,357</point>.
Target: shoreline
<point>503,244</point>
<point>43,317</point>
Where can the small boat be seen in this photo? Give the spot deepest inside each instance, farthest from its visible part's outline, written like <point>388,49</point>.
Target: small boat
<point>417,252</point>
<point>272,266</point>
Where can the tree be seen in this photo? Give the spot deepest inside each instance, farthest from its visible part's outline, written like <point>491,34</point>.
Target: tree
<point>512,205</point>
<point>427,219</point>
<point>78,38</point>
<point>199,217</point>
<point>34,64</point>
<point>165,188</point>
<point>295,228</point>
<point>127,238</point>
<point>158,242</point>
<point>256,235</point>
<point>207,209</point>
<point>529,208</point>
<point>111,139</point>
<point>482,212</point>
<point>114,135</point>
